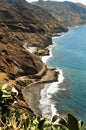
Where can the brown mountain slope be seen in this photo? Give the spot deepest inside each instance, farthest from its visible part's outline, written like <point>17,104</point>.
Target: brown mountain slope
<point>20,24</point>
<point>24,18</point>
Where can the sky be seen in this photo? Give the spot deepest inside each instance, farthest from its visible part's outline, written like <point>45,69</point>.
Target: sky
<point>80,1</point>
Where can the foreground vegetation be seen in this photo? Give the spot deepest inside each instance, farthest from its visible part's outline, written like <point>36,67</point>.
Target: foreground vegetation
<point>11,119</point>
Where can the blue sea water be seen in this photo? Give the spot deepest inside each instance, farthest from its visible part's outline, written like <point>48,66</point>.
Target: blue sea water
<point>69,54</point>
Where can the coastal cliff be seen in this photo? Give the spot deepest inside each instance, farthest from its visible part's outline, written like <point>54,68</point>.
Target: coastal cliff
<point>20,24</point>
<point>24,24</point>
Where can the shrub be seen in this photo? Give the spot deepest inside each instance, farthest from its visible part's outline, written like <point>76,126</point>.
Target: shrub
<point>23,121</point>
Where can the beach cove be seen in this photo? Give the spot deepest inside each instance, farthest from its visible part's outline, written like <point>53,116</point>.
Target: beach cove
<point>39,94</point>
<point>70,92</point>
<point>33,91</point>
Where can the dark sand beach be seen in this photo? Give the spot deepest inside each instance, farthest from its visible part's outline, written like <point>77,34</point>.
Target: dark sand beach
<point>32,92</point>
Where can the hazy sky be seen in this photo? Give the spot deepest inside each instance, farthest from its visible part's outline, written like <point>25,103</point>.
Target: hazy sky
<point>80,1</point>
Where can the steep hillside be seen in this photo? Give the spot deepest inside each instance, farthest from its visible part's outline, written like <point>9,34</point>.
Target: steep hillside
<point>23,24</point>
<point>20,16</point>
<point>67,13</point>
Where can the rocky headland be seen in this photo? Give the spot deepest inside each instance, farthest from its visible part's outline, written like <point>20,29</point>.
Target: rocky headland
<point>23,25</point>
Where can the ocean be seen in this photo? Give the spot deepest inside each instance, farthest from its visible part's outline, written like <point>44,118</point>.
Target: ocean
<point>68,55</point>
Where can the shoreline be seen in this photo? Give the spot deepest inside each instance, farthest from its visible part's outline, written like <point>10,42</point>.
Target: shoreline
<point>32,92</point>
<point>46,95</point>
<point>41,97</point>
<point>39,93</point>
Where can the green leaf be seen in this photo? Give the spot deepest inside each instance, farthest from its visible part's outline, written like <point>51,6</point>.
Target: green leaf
<point>27,122</point>
<point>54,118</point>
<point>54,127</point>
<point>72,122</point>
<point>18,114</point>
<point>35,121</point>
<point>80,123</point>
<point>63,122</point>
<point>46,123</point>
<point>40,125</point>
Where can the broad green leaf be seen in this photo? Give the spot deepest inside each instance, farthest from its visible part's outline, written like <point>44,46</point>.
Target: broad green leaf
<point>54,118</point>
<point>72,122</point>
<point>40,125</point>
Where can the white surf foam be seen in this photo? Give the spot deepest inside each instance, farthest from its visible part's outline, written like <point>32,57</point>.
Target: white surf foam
<point>45,58</point>
<point>50,47</point>
<point>47,104</point>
